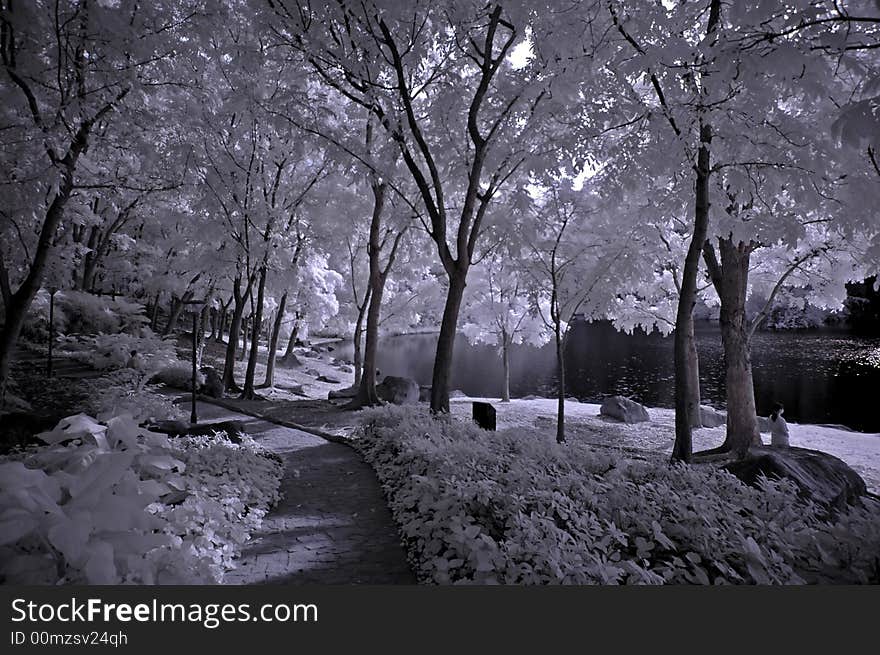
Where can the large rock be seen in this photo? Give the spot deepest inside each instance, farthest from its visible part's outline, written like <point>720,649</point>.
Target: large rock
<point>213,386</point>
<point>624,409</point>
<point>819,477</point>
<point>711,417</point>
<point>397,390</point>
<point>290,361</point>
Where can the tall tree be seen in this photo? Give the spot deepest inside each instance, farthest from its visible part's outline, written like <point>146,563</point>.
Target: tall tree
<point>438,80</point>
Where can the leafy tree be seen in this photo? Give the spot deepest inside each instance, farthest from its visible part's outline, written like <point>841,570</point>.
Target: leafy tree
<point>73,71</point>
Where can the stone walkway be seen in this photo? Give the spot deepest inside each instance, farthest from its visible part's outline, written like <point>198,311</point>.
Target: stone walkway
<point>331,526</point>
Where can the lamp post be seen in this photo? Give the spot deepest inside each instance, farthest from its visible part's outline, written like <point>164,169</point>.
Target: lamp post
<point>195,305</point>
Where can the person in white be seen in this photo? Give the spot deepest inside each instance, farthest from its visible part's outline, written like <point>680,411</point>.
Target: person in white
<point>778,427</point>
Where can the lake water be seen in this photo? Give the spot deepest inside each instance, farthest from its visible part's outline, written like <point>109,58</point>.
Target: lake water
<point>821,376</point>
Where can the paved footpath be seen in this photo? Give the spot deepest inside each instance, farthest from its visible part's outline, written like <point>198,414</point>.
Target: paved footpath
<point>331,526</point>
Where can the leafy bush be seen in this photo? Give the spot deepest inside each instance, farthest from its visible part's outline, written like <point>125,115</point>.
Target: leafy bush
<point>113,503</point>
<point>78,312</point>
<point>112,351</point>
<point>514,507</point>
<point>125,392</point>
<point>178,376</point>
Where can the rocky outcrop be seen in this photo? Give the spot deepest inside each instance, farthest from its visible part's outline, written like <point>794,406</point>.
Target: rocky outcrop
<point>624,409</point>
<point>819,477</point>
<point>397,390</point>
<point>711,417</point>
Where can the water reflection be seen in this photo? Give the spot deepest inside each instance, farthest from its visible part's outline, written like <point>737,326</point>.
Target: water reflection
<point>823,376</point>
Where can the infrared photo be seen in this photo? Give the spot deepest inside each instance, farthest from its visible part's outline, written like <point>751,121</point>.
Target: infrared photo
<point>435,292</point>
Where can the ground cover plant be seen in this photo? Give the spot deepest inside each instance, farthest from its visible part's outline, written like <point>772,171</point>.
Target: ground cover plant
<point>511,507</point>
<point>110,502</point>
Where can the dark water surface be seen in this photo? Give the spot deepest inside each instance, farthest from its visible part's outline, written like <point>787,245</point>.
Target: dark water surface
<point>821,376</point>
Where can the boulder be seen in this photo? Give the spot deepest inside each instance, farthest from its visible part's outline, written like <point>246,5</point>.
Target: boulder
<point>347,393</point>
<point>292,388</point>
<point>328,379</point>
<point>397,390</point>
<point>711,417</point>
<point>819,477</point>
<point>345,368</point>
<point>457,393</point>
<point>313,372</point>
<point>624,409</point>
<point>291,361</point>
<point>213,386</point>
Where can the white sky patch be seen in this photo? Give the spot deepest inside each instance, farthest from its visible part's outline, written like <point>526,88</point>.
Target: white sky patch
<point>522,52</point>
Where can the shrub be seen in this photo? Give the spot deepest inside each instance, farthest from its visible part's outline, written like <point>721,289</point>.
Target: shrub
<point>178,376</point>
<point>112,351</point>
<point>112,503</point>
<point>125,392</point>
<point>83,313</point>
<point>514,507</point>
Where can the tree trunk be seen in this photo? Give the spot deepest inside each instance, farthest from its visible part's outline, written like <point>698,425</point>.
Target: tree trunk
<point>560,394</point>
<point>173,316</point>
<point>357,339</point>
<point>213,314</point>
<point>90,261</point>
<point>446,341</point>
<point>684,319</point>
<point>367,396</point>
<point>16,310</point>
<point>742,421</point>
<point>221,320</point>
<point>255,337</point>
<point>505,361</point>
<point>244,338</point>
<point>238,298</point>
<point>203,325</point>
<point>291,342</point>
<point>273,342</point>
<point>154,314</point>
<point>694,378</point>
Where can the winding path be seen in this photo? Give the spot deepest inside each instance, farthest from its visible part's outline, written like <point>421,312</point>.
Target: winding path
<point>331,526</point>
